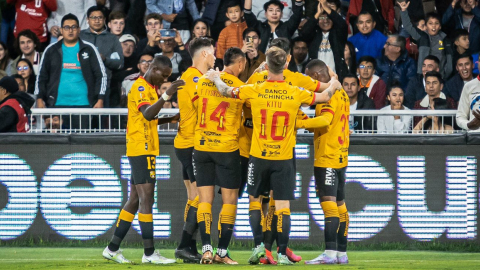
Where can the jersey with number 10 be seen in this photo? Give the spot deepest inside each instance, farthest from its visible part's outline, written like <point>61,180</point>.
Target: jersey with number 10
<point>332,142</point>
<point>275,105</point>
<point>218,117</point>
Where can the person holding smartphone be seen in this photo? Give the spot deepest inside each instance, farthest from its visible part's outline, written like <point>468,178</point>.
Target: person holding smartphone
<point>251,42</point>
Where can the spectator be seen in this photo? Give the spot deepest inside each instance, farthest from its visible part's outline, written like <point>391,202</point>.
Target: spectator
<point>71,72</point>
<point>214,16</point>
<point>5,60</point>
<point>374,87</point>
<point>434,41</point>
<point>25,69</point>
<point>174,14</point>
<point>168,46</point>
<point>251,42</point>
<point>416,85</point>
<point>369,41</point>
<point>395,64</point>
<point>130,64</point>
<point>160,91</point>
<point>299,55</point>
<point>107,44</point>
<point>454,86</point>
<point>128,43</point>
<point>466,17</point>
<point>468,113</point>
<point>394,123</point>
<point>231,36</point>
<point>461,44</point>
<point>381,11</point>
<point>78,8</point>
<point>273,27</point>
<point>327,34</point>
<point>116,23</point>
<point>21,82</point>
<point>200,29</point>
<point>26,45</point>
<point>7,23</point>
<point>358,101</point>
<point>53,124</point>
<point>153,24</point>
<point>350,57</point>
<point>143,65</point>
<point>14,106</point>
<point>259,11</point>
<point>32,15</point>
<point>435,124</point>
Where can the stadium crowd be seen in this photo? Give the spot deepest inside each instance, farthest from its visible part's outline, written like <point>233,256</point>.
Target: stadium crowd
<point>388,54</point>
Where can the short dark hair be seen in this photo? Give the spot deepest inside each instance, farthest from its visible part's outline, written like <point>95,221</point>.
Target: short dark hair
<point>394,84</point>
<point>233,3</point>
<point>316,64</point>
<point>298,39</point>
<point>282,43</point>
<point>435,74</point>
<point>199,43</point>
<point>401,42</point>
<point>459,33</point>
<point>465,55</point>
<point>433,15</point>
<point>28,34</point>
<point>440,104</point>
<point>116,15</point>
<point>273,2</point>
<point>432,58</point>
<point>364,12</point>
<point>162,61</point>
<point>352,76</point>
<point>95,8</point>
<point>143,54</point>
<point>70,16</point>
<point>232,55</point>
<point>276,59</point>
<point>369,59</point>
<point>155,16</point>
<point>249,30</point>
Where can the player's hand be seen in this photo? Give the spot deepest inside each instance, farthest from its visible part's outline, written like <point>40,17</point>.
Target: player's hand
<point>332,74</point>
<point>213,74</point>
<point>404,5</point>
<point>335,84</point>
<point>260,68</point>
<point>174,87</point>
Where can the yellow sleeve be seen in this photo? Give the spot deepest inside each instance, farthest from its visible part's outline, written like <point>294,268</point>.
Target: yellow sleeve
<point>317,122</point>
<point>308,83</point>
<point>138,95</point>
<point>306,97</point>
<point>244,92</point>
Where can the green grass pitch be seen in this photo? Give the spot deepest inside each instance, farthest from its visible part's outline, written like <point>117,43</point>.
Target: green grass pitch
<point>91,258</point>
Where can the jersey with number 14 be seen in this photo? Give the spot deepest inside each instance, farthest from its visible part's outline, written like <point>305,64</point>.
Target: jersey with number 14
<point>275,105</point>
<point>332,142</point>
<point>218,117</point>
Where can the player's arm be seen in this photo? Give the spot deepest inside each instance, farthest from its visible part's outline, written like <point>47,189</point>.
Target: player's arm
<point>150,112</point>
<point>324,86</point>
<point>326,95</point>
<point>222,87</point>
<point>320,121</point>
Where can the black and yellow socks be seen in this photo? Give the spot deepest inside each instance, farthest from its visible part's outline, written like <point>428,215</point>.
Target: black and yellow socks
<point>256,222</point>
<point>283,229</point>
<point>123,225</point>
<point>342,234</point>
<point>190,225</point>
<point>332,222</point>
<point>270,233</point>
<point>226,222</point>
<point>204,218</point>
<point>146,225</point>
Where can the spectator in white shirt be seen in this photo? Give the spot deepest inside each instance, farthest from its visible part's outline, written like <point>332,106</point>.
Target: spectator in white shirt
<point>394,123</point>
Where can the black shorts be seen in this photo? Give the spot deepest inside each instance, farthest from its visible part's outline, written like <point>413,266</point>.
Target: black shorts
<point>143,169</point>
<point>330,182</point>
<point>277,175</point>
<point>185,157</point>
<point>244,174</point>
<point>217,169</point>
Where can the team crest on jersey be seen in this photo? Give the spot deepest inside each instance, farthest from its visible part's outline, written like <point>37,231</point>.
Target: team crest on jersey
<point>152,174</point>
<point>141,88</point>
<point>195,79</point>
<point>202,141</point>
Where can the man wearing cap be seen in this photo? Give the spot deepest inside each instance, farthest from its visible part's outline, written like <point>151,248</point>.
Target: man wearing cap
<point>128,43</point>
<point>14,106</point>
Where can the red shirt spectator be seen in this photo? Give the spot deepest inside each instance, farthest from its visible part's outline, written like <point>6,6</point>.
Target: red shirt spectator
<point>33,14</point>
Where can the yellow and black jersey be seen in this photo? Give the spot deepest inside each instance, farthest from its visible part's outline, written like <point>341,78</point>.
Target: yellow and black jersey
<point>292,78</point>
<point>332,142</point>
<point>275,106</point>
<point>142,135</point>
<point>218,117</point>
<point>186,96</point>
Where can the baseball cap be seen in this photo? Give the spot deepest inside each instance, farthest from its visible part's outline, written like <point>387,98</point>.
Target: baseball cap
<point>128,37</point>
<point>9,83</point>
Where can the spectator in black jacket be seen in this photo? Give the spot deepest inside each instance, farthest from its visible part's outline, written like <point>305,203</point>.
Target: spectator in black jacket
<point>454,87</point>
<point>416,85</point>
<point>273,27</point>
<point>14,106</point>
<point>464,14</point>
<point>71,72</point>
<point>327,34</point>
<point>358,101</point>
<point>300,56</point>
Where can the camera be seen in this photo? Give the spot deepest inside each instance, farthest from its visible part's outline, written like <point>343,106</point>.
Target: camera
<point>167,33</point>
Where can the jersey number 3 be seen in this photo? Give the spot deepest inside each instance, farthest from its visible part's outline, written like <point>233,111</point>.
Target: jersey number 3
<point>343,119</point>
<point>218,115</point>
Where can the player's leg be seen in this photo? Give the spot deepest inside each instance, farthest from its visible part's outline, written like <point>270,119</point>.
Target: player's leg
<point>342,234</point>
<point>187,249</point>
<point>270,231</point>
<point>326,183</point>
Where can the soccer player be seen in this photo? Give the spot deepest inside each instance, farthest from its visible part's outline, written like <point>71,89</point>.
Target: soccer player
<point>142,148</point>
<point>216,157</point>
<point>202,52</point>
<point>275,105</point>
<point>331,144</point>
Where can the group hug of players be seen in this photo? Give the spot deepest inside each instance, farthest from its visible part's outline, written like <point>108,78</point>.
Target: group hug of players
<point>233,134</point>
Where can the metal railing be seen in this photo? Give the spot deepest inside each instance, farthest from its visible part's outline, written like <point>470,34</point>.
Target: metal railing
<point>361,121</point>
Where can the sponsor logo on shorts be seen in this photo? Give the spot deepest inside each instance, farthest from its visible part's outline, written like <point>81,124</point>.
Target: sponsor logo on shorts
<point>329,177</point>
<point>250,174</point>
<point>152,174</point>
<point>141,88</point>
